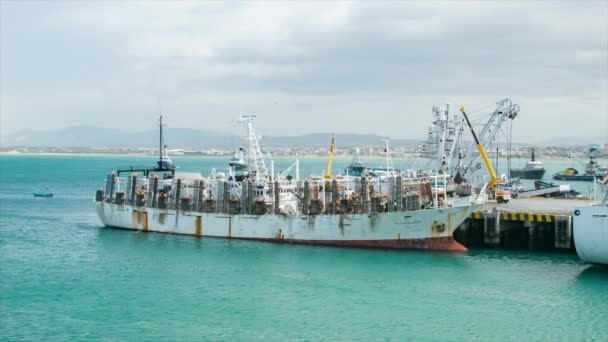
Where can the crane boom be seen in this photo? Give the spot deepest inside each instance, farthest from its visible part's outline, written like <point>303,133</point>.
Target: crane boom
<point>331,157</point>
<point>505,109</point>
<point>481,150</point>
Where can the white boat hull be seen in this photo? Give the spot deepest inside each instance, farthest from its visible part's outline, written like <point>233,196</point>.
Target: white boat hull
<point>429,229</point>
<point>590,224</point>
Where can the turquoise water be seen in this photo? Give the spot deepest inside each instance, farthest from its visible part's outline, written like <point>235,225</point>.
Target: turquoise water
<point>64,276</point>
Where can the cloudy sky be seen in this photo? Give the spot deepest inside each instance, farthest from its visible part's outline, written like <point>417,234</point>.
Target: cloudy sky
<point>370,67</point>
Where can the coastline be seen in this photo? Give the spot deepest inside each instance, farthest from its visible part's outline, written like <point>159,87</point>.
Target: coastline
<point>301,156</point>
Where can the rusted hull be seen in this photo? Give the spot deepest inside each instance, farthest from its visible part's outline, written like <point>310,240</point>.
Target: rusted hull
<point>447,244</point>
<point>422,229</point>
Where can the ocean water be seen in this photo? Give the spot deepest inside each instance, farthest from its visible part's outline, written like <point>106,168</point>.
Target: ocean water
<point>63,276</point>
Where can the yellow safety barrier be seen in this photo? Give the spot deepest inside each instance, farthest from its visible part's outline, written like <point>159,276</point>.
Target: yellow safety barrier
<point>505,216</point>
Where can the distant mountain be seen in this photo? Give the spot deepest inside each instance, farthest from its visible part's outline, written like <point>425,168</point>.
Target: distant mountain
<point>185,138</point>
<point>342,140</point>
<point>98,137</point>
<point>574,141</point>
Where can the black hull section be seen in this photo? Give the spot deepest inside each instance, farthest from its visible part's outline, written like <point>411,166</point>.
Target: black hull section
<point>528,174</point>
<point>582,178</point>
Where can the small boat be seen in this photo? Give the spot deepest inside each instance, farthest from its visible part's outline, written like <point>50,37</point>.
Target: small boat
<point>356,167</point>
<point>533,170</point>
<point>43,194</point>
<point>593,171</point>
<point>238,162</point>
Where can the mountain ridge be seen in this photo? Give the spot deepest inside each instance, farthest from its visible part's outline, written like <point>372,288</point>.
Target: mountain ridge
<point>184,138</point>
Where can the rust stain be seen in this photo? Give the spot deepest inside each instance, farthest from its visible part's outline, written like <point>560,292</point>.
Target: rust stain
<point>374,221</point>
<point>145,220</point>
<point>450,224</point>
<point>437,228</point>
<point>134,219</point>
<point>199,226</point>
<point>444,243</point>
<point>311,221</point>
<point>230,227</point>
<point>279,235</point>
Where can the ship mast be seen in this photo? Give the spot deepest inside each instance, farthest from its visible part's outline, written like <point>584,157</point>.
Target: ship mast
<point>164,162</point>
<point>255,159</point>
<point>389,160</point>
<point>160,147</point>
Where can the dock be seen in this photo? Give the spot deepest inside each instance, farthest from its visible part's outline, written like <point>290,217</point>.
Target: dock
<point>535,224</point>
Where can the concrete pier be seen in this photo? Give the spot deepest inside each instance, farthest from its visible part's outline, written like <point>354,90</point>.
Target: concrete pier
<point>532,224</point>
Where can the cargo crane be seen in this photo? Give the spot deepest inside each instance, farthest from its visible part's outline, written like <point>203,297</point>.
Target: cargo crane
<point>255,158</point>
<point>505,109</point>
<point>330,160</point>
<point>501,195</point>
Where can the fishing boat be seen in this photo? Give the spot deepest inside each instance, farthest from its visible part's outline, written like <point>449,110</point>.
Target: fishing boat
<point>593,170</point>
<point>590,229</point>
<point>389,211</point>
<point>356,167</point>
<point>237,162</point>
<point>534,169</point>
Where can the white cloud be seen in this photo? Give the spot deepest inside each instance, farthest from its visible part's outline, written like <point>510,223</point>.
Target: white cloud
<point>319,60</point>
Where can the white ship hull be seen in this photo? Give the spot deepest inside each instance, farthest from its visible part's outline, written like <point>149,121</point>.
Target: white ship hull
<point>591,233</point>
<point>429,229</point>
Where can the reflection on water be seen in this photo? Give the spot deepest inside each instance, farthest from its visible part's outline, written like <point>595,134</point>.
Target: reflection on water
<point>594,273</point>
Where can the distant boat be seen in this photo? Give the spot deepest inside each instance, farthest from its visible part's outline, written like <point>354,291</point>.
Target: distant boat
<point>533,170</point>
<point>356,168</point>
<point>238,162</point>
<point>43,194</point>
<point>593,171</point>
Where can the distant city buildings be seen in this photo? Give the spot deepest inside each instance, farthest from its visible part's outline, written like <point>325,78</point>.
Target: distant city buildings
<point>519,151</point>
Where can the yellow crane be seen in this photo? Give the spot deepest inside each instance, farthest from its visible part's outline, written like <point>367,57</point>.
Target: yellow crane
<point>481,150</point>
<point>331,157</point>
<point>500,194</point>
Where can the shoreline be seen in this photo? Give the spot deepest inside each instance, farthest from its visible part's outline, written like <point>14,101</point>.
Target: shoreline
<point>301,156</point>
